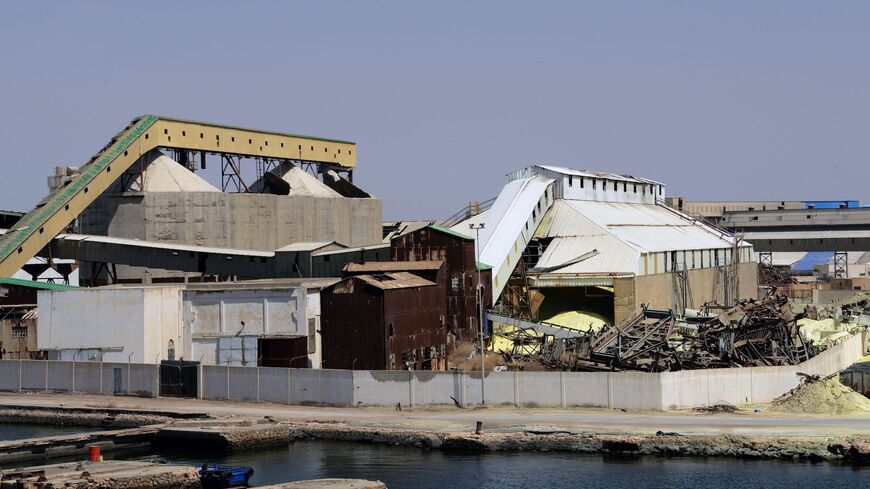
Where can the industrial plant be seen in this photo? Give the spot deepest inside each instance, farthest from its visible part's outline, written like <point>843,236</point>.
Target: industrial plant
<point>135,260</point>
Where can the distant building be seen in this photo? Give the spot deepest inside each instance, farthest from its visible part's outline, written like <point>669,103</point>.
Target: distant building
<point>717,209</point>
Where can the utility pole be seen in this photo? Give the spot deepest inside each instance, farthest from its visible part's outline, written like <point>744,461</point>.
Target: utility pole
<point>479,287</point>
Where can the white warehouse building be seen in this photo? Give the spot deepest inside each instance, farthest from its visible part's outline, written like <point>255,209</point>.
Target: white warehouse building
<point>237,324</point>
<point>602,244</point>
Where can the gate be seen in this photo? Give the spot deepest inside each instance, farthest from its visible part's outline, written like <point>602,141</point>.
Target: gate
<point>179,378</point>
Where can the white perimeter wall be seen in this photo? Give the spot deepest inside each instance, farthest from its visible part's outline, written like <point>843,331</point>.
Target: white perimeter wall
<point>618,390</point>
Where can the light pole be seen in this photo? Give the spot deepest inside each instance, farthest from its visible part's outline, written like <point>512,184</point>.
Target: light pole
<point>479,291</point>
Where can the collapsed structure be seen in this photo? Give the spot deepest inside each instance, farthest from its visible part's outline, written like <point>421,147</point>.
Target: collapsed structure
<point>749,334</point>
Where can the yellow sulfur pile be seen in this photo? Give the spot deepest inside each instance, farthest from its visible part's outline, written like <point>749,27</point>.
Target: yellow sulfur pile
<point>827,396</point>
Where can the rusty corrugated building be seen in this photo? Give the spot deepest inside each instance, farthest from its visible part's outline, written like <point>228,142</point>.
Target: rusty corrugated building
<point>18,333</point>
<point>384,321</point>
<point>460,274</point>
<point>18,316</point>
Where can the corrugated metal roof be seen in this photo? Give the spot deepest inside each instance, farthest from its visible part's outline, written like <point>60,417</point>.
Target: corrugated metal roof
<point>393,266</point>
<point>344,250</point>
<point>614,255</point>
<point>650,228</point>
<point>162,245</point>
<point>394,280</point>
<point>464,226</point>
<point>597,174</point>
<point>562,220</point>
<point>307,246</point>
<point>35,285</point>
<point>507,217</point>
<point>451,232</point>
<point>403,227</point>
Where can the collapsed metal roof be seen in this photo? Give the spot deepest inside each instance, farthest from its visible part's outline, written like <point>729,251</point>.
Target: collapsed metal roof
<point>394,280</point>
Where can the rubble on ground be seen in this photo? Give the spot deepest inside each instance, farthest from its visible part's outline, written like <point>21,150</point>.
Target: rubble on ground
<point>769,275</point>
<point>752,333</point>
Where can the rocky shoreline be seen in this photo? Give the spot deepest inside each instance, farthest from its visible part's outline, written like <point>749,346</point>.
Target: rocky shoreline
<point>240,438</point>
<point>251,433</point>
<point>106,418</point>
<point>739,446</point>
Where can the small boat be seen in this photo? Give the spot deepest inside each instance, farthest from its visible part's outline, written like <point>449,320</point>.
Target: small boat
<point>214,476</point>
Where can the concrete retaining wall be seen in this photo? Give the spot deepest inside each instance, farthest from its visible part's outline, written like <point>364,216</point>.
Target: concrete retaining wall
<point>623,390</point>
<point>620,390</point>
<point>79,377</point>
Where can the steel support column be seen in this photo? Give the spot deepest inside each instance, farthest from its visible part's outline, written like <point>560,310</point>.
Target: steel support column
<point>841,264</point>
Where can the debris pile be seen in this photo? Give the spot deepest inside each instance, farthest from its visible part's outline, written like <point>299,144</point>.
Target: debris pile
<point>769,275</point>
<point>821,396</point>
<point>752,333</point>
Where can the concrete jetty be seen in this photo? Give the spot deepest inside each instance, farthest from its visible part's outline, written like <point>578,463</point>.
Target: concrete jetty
<point>46,448</point>
<point>103,475</point>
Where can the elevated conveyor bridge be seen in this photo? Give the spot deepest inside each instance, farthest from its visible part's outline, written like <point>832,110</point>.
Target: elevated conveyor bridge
<point>149,132</point>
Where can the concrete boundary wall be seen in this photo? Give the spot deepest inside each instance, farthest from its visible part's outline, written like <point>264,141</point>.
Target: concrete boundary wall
<point>132,379</point>
<point>618,390</point>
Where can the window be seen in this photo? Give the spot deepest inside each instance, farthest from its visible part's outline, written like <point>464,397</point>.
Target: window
<point>593,184</point>
<point>581,182</point>
<point>624,186</point>
<point>570,181</point>
<point>614,186</point>
<point>635,188</point>
<point>19,332</point>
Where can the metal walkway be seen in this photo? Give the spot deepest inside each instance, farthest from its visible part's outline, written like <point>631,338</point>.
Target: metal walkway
<point>51,216</point>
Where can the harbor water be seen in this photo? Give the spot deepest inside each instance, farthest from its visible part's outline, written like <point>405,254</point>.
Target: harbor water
<point>11,431</point>
<point>408,468</point>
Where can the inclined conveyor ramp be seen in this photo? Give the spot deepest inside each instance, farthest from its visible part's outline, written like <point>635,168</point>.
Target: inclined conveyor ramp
<point>57,210</point>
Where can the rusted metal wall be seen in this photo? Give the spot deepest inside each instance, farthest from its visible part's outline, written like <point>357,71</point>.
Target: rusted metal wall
<point>283,352</point>
<point>364,327</point>
<point>352,326</point>
<point>416,337</point>
<point>460,279</point>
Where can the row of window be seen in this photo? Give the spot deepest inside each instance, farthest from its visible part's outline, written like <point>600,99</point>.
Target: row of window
<point>643,186</point>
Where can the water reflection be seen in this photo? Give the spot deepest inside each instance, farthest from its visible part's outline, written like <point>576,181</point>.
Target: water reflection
<point>407,468</point>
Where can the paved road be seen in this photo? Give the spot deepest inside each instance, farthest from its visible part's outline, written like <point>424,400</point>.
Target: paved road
<point>494,419</point>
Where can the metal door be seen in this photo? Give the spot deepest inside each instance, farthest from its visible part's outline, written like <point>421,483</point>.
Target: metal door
<point>117,386</point>
<point>179,378</point>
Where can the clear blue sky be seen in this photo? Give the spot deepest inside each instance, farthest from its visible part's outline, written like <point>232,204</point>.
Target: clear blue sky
<point>720,100</point>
